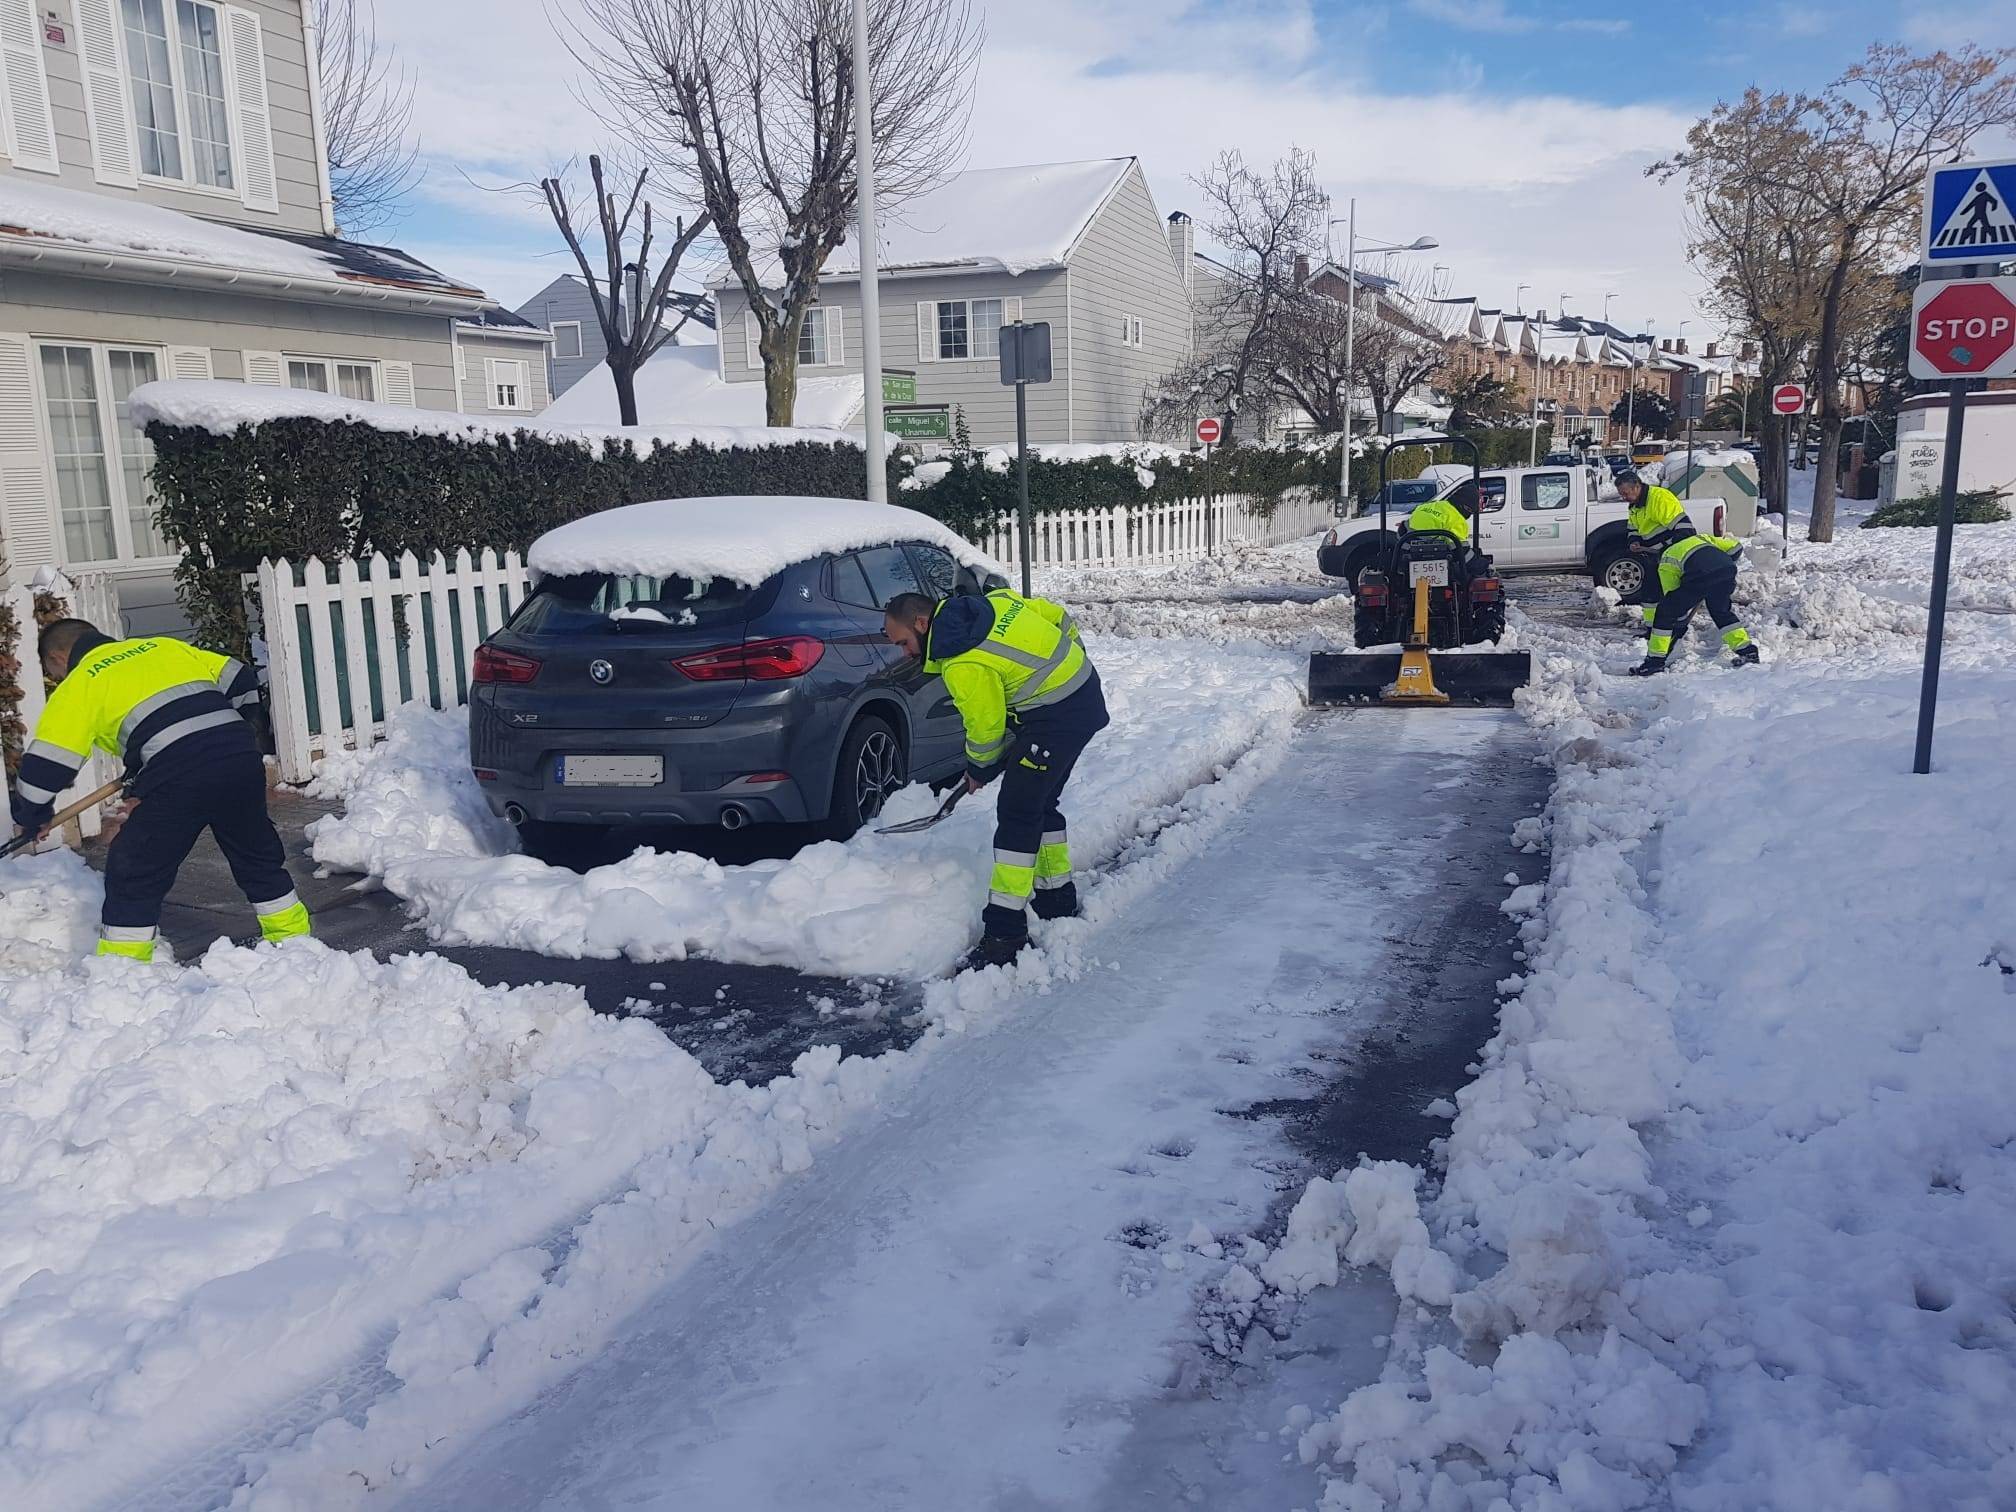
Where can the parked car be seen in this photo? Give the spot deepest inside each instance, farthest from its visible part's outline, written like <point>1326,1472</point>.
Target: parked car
<point>1533,519</point>
<point>718,662</point>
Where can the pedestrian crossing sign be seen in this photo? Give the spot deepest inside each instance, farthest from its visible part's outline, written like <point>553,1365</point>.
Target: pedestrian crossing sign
<point>1970,213</point>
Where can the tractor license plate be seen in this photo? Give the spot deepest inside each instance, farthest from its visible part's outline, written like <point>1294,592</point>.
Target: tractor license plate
<point>1434,574</point>
<point>609,771</point>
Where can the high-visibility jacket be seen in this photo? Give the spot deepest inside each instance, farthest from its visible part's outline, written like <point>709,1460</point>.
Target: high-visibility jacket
<point>1440,514</point>
<point>1673,560</point>
<point>1003,657</point>
<point>156,703</point>
<point>1659,516</point>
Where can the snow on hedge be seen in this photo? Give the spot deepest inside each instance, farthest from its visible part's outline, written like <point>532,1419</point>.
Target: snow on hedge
<point>1734,1178</point>
<point>742,539</point>
<point>222,407</point>
<point>414,816</point>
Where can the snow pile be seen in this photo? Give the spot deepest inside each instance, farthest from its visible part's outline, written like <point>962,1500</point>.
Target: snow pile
<point>681,386</point>
<point>221,407</point>
<point>1735,1174</point>
<point>744,539</point>
<point>1179,714</point>
<point>48,911</point>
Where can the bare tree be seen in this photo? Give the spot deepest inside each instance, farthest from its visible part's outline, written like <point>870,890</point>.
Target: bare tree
<point>748,106</point>
<point>367,117</point>
<point>630,300</point>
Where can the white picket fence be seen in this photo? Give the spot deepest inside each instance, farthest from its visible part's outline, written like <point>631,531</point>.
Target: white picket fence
<point>345,645</point>
<point>92,596</point>
<point>1154,535</point>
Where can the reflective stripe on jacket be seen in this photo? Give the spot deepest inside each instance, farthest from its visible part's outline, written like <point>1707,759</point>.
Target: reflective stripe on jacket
<point>1673,560</point>
<point>137,700</point>
<point>1003,656</point>
<point>1659,516</point>
<point>1440,514</point>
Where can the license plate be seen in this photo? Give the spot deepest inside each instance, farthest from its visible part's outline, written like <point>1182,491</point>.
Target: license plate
<point>1434,574</point>
<point>609,771</point>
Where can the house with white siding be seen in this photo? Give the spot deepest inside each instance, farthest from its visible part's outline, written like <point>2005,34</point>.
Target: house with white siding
<point>1080,245</point>
<point>165,212</point>
<point>567,309</point>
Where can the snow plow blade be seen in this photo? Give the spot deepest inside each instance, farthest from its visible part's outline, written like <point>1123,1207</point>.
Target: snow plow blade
<point>1463,677</point>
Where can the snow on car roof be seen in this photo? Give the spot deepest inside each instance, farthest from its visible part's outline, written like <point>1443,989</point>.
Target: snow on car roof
<point>744,538</point>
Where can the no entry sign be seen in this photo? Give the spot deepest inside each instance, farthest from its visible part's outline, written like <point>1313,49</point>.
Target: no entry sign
<point>1789,398</point>
<point>1964,328</point>
<point>1209,430</point>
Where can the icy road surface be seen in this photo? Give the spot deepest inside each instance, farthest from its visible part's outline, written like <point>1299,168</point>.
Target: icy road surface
<point>1002,1291</point>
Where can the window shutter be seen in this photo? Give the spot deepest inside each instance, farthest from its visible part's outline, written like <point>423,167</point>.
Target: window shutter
<point>27,494</point>
<point>398,378</point>
<point>31,129</point>
<point>265,368</point>
<point>108,106</point>
<point>927,330</point>
<point>250,115</point>
<point>752,350</point>
<point>836,336</point>
<point>187,363</point>
<point>1011,310</point>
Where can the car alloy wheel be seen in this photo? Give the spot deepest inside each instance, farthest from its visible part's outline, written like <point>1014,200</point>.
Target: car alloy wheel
<point>878,772</point>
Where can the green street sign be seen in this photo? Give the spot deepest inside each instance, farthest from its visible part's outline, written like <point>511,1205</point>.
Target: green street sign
<point>899,388</point>
<point>919,424</point>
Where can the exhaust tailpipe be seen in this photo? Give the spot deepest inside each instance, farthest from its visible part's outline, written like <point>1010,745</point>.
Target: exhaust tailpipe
<point>515,812</point>
<point>734,817</point>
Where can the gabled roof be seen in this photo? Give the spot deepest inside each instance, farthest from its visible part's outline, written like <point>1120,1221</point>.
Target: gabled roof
<point>97,234</point>
<point>495,320</point>
<point>1011,219</point>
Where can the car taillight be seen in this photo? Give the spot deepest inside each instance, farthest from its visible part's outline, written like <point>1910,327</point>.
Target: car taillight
<point>763,661</point>
<point>495,666</point>
<point>1486,590</point>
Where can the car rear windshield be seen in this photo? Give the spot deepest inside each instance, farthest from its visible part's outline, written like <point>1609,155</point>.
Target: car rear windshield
<point>610,601</point>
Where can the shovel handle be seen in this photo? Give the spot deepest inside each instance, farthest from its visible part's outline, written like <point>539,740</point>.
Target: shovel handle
<point>89,800</point>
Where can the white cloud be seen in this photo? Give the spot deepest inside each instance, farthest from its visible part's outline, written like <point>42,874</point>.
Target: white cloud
<point>1493,16</point>
<point>1539,189</point>
<point>1985,23</point>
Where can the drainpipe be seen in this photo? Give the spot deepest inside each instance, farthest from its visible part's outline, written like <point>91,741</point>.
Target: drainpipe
<point>311,41</point>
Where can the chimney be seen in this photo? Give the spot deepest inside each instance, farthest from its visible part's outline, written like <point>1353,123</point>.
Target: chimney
<point>1680,347</point>
<point>1183,247</point>
<point>1711,350</point>
<point>1748,351</point>
<point>1666,345</point>
<point>1301,269</point>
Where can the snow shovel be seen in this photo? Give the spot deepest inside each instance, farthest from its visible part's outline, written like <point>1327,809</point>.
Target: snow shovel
<point>912,826</point>
<point>22,841</point>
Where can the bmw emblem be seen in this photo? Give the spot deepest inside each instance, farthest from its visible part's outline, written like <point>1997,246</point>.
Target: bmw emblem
<point>601,672</point>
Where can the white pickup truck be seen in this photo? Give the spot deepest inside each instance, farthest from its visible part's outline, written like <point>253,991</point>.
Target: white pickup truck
<point>1534,519</point>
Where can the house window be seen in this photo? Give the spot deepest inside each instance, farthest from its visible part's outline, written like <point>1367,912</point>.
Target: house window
<point>566,339</point>
<point>175,56</point>
<point>105,499</point>
<point>323,375</point>
<point>1130,330</point>
<point>812,339</point>
<point>507,383</point>
<point>969,328</point>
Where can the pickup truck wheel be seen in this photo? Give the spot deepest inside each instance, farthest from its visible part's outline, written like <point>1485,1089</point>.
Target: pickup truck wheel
<point>1622,572</point>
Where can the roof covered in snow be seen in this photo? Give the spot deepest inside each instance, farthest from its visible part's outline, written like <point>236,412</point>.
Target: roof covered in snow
<point>742,538</point>
<point>1014,219</point>
<point>37,220</point>
<point>495,320</point>
<point>221,407</point>
<point>680,386</point>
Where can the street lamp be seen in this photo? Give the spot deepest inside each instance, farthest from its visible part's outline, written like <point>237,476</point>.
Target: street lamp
<point>1606,308</point>
<point>1419,244</point>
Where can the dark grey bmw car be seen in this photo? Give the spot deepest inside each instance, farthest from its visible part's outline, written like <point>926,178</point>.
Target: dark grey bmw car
<point>660,688</point>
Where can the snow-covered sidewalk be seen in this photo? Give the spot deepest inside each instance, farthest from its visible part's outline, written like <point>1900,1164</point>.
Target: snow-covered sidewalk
<point>1734,1196</point>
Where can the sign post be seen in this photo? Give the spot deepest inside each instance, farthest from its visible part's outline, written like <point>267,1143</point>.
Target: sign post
<point>1962,328</point>
<point>1025,359</point>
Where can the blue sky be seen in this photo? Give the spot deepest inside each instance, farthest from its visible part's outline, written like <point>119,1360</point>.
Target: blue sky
<point>1513,131</point>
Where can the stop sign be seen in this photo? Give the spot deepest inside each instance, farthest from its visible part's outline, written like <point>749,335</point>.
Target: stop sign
<point>1964,329</point>
<point>1789,398</point>
<point>1209,430</point>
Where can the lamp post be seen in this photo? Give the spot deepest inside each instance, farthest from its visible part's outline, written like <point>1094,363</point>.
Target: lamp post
<point>871,300</point>
<point>1631,396</point>
<point>1606,309</point>
<point>1350,222</point>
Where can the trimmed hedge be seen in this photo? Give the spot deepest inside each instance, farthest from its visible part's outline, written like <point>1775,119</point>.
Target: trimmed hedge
<point>1980,506</point>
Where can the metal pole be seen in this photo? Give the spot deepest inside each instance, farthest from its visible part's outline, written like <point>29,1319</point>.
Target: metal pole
<point>1533,426</point>
<point>1350,342</point>
<point>871,297</point>
<point>1022,468</point>
<point>1942,561</point>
